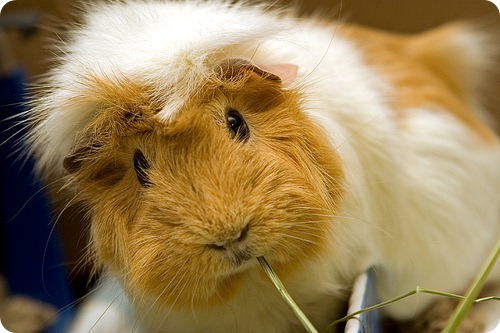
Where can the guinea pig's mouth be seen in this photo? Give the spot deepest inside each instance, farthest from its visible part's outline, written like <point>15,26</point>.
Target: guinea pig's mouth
<point>238,257</point>
<point>242,266</point>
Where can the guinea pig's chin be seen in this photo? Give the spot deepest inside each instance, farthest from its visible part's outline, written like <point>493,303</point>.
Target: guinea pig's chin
<point>203,291</point>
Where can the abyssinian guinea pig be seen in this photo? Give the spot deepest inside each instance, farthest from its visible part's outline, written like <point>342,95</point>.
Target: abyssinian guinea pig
<point>201,135</point>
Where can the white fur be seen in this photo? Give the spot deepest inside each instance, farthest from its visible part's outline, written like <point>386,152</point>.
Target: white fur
<point>422,204</point>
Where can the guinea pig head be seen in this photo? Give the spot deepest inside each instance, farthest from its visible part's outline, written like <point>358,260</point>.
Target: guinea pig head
<point>182,206</point>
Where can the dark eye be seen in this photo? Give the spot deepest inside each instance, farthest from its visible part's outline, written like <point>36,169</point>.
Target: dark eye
<point>140,166</point>
<point>237,125</point>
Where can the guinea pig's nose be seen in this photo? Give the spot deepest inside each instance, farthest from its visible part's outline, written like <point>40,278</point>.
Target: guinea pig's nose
<point>227,241</point>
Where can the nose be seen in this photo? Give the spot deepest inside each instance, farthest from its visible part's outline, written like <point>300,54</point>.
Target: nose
<point>230,241</point>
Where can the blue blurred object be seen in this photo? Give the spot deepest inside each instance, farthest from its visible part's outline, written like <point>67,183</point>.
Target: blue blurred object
<point>363,296</point>
<point>32,262</point>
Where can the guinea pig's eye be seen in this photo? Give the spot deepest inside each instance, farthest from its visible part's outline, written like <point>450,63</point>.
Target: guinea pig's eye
<point>140,166</point>
<point>237,125</point>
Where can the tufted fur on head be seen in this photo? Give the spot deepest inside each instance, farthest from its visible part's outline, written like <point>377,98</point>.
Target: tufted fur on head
<point>203,134</point>
<point>137,53</point>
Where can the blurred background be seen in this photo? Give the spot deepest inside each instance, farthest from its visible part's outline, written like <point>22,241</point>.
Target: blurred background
<point>406,16</point>
<point>26,30</point>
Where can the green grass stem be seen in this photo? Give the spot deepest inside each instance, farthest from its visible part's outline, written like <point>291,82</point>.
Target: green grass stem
<point>417,290</point>
<point>286,296</point>
<point>463,308</point>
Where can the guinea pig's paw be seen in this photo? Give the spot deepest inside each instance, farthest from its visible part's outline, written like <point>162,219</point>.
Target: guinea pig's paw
<point>436,317</point>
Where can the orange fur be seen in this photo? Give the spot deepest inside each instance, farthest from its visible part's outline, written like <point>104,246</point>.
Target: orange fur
<point>424,70</point>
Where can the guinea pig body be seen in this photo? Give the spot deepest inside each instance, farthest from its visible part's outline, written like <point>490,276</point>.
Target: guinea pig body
<point>201,135</point>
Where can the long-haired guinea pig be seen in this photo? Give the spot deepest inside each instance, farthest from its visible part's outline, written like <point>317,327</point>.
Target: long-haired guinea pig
<point>201,135</point>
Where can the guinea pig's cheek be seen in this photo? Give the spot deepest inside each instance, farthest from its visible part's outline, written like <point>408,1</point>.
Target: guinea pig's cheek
<point>185,275</point>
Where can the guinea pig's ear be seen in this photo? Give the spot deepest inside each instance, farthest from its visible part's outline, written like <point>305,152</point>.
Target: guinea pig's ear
<point>82,150</point>
<point>286,72</point>
<point>105,169</point>
<point>236,68</point>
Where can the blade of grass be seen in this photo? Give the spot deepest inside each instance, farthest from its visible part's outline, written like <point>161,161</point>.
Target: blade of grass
<point>417,290</point>
<point>463,308</point>
<point>286,296</point>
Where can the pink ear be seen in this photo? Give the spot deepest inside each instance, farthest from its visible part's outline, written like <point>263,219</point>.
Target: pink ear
<point>286,72</point>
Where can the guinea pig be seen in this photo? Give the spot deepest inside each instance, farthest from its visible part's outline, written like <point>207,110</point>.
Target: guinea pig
<point>200,135</point>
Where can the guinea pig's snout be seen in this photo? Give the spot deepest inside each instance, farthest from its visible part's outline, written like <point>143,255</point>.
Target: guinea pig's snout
<point>234,245</point>
<point>226,241</point>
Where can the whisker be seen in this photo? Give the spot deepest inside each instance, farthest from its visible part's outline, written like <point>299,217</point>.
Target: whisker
<point>105,311</point>
<point>284,235</point>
